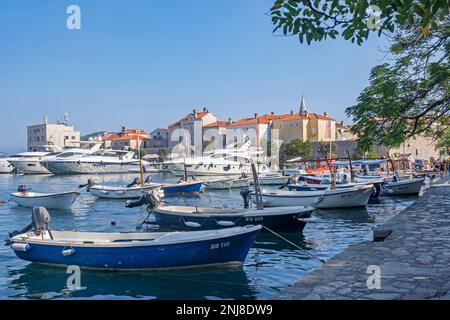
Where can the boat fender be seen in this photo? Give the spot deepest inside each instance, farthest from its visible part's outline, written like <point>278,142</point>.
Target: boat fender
<point>23,247</point>
<point>226,223</point>
<point>192,224</point>
<point>68,252</point>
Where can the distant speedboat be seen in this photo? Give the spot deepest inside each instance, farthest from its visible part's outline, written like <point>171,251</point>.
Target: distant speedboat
<point>102,161</point>
<point>61,201</point>
<point>132,251</point>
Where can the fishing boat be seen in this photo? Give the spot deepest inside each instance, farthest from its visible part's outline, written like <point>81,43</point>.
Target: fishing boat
<point>132,251</point>
<point>134,190</point>
<point>204,218</point>
<point>357,196</point>
<point>183,187</point>
<point>404,187</point>
<point>219,184</point>
<point>61,201</point>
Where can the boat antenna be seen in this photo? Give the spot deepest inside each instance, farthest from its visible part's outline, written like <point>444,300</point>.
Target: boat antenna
<point>141,167</point>
<point>257,185</point>
<point>185,169</point>
<point>352,173</point>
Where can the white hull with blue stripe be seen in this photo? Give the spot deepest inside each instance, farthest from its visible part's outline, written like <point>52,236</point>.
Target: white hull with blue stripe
<point>137,251</point>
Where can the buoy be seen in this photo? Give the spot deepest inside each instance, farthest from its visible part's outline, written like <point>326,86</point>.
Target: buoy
<point>68,252</point>
<point>226,223</point>
<point>23,247</point>
<point>193,224</point>
<point>113,223</point>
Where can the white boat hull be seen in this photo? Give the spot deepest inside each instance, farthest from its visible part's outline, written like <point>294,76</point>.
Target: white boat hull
<point>224,184</point>
<point>326,199</point>
<point>106,192</point>
<point>29,167</point>
<point>5,166</point>
<point>61,201</point>
<point>62,168</point>
<point>273,181</point>
<point>357,197</point>
<point>405,187</point>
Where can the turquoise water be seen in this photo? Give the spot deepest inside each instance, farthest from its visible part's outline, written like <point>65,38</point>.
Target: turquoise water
<point>271,264</point>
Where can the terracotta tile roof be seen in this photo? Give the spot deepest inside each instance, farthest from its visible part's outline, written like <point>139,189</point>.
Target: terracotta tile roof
<point>199,115</point>
<point>218,124</point>
<point>129,138</point>
<point>249,121</point>
<point>298,116</point>
<point>133,131</point>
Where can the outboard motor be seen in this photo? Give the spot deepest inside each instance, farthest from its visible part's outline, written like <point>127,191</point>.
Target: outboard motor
<point>40,222</point>
<point>135,182</point>
<point>151,199</point>
<point>23,188</point>
<point>245,193</point>
<point>291,180</point>
<point>90,183</point>
<point>148,180</point>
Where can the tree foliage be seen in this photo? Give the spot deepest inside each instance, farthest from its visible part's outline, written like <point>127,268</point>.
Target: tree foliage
<point>298,148</point>
<point>162,154</point>
<point>409,96</point>
<point>315,20</point>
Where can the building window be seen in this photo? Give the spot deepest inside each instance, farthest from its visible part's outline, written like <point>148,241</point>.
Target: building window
<point>296,124</point>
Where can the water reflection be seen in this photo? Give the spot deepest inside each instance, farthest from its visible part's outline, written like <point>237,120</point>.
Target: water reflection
<point>43,282</point>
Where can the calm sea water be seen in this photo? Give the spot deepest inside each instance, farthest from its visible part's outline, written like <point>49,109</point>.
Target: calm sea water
<point>271,264</point>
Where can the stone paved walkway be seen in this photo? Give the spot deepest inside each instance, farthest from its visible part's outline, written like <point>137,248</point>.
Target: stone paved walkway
<point>414,260</point>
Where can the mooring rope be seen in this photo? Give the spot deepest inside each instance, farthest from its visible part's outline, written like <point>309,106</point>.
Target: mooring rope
<point>293,244</point>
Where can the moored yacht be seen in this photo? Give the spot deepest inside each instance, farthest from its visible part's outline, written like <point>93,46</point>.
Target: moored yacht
<point>224,162</point>
<point>30,162</point>
<point>102,161</point>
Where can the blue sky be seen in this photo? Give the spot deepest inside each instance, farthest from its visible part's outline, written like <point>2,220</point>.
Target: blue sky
<point>145,63</point>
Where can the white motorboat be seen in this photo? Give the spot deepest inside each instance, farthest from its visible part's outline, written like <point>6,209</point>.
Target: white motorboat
<point>226,162</point>
<point>404,187</point>
<point>273,179</point>
<point>62,201</point>
<point>29,164</point>
<point>357,196</point>
<point>5,166</point>
<point>102,161</point>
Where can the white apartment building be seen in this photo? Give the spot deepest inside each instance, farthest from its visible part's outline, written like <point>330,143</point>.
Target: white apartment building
<point>61,134</point>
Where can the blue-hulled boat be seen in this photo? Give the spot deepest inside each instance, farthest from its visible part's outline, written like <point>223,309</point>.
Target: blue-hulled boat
<point>183,187</point>
<point>134,251</point>
<point>198,218</point>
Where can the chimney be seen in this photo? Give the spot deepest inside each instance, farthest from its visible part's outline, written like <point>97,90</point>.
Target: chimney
<point>256,115</point>
<point>229,120</point>
<point>272,113</point>
<point>292,112</point>
<point>342,123</point>
<point>325,114</point>
<point>205,109</point>
<point>194,112</point>
<point>45,120</point>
